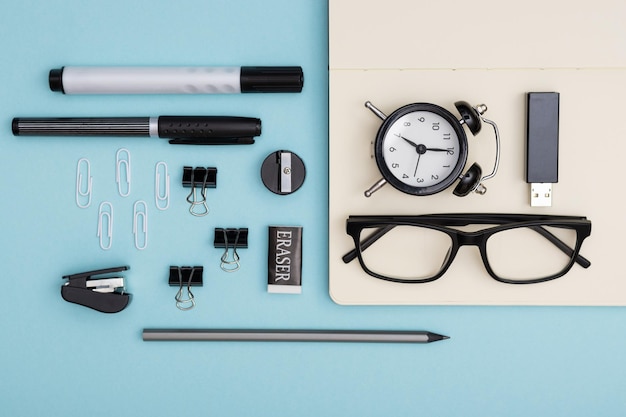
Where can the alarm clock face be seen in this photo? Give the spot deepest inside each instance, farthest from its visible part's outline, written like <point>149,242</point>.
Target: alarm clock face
<point>421,149</point>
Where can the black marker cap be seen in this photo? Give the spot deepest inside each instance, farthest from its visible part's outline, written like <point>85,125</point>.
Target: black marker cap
<point>271,79</point>
<point>55,79</point>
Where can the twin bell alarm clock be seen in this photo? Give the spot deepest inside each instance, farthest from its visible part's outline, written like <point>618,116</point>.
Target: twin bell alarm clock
<point>421,149</point>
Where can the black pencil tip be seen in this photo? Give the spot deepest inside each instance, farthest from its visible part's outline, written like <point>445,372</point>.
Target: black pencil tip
<point>434,337</point>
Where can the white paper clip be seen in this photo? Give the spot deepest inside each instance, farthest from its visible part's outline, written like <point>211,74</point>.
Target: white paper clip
<point>105,215</point>
<point>162,200</point>
<point>140,214</point>
<point>83,186</point>
<point>122,159</point>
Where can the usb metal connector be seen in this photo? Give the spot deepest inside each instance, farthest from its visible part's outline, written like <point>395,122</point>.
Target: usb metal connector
<point>541,194</point>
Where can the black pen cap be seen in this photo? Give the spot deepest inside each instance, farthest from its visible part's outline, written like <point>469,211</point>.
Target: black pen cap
<point>189,127</point>
<point>55,79</point>
<point>271,79</point>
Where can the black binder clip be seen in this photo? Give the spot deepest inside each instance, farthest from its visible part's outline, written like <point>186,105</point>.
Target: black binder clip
<point>105,294</point>
<point>189,276</point>
<point>202,178</point>
<point>230,238</point>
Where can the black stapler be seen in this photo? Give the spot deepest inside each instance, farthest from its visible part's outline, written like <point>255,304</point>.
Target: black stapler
<point>105,293</point>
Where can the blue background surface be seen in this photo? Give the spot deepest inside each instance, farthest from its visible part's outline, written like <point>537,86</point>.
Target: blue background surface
<point>62,359</point>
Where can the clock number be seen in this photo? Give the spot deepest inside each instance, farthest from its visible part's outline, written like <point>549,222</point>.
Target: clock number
<point>435,125</point>
<point>422,119</point>
<point>407,124</point>
<point>446,136</point>
<point>405,176</point>
<point>392,149</point>
<point>395,165</point>
<point>420,180</point>
<point>434,177</point>
<point>450,151</point>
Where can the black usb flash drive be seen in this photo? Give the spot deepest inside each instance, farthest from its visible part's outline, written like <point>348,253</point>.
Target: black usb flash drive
<point>542,146</point>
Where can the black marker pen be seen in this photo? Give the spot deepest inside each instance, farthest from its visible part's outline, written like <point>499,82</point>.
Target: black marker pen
<point>181,130</point>
<point>176,80</point>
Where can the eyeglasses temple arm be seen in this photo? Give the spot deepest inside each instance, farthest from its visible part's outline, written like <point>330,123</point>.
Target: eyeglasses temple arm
<point>367,242</point>
<point>581,260</point>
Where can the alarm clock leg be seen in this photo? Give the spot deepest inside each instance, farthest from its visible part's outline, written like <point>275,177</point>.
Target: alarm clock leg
<point>375,110</point>
<point>379,184</point>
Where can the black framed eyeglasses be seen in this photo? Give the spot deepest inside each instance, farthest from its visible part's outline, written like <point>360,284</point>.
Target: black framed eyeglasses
<point>515,248</point>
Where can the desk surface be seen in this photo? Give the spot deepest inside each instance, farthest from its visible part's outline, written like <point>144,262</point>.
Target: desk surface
<point>62,359</point>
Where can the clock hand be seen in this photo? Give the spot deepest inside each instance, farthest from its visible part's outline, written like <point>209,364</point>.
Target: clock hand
<point>413,144</point>
<point>419,155</point>
<point>421,149</point>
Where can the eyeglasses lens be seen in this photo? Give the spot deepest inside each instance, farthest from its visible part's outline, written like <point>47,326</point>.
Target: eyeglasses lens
<point>526,253</point>
<point>406,252</point>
